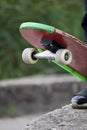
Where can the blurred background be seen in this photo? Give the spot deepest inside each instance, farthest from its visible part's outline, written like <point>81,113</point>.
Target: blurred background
<point>63,14</point>
<point>34,95</point>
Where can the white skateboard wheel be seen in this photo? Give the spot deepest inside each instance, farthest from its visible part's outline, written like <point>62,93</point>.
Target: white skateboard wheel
<point>63,56</point>
<point>28,56</point>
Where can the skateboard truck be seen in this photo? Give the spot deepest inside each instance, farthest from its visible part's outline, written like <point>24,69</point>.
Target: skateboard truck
<point>62,56</point>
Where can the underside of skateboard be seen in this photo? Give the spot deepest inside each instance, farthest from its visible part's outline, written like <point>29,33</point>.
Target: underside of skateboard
<point>47,48</point>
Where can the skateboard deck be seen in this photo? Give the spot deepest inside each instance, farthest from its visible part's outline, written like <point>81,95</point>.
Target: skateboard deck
<point>39,35</point>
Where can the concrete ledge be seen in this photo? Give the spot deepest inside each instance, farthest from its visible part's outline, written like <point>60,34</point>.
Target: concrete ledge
<point>65,118</point>
<point>37,94</point>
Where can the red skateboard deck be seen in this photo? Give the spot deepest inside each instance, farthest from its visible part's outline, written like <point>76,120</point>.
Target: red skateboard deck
<point>35,32</point>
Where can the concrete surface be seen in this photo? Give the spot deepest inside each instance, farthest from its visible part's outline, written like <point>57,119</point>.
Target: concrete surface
<point>65,118</point>
<point>32,95</point>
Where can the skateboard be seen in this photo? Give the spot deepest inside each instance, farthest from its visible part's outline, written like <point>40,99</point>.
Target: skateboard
<point>63,49</point>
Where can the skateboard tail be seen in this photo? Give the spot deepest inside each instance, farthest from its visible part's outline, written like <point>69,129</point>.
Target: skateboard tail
<point>37,26</point>
<point>70,70</point>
